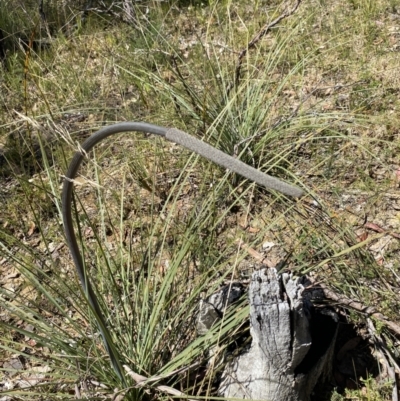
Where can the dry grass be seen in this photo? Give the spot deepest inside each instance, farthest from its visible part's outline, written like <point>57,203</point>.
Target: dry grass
<point>319,97</point>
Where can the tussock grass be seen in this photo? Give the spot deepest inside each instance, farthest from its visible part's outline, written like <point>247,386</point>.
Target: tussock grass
<point>315,105</point>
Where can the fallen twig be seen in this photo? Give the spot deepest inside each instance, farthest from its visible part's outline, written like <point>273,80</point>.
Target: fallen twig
<point>359,307</point>
<point>261,33</point>
<point>142,380</point>
<point>256,255</point>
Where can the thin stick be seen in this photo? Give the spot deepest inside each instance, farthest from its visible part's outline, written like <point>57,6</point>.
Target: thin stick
<point>359,307</point>
<point>261,33</point>
<point>139,379</point>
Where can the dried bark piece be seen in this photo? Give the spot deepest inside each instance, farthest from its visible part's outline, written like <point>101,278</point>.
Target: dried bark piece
<point>212,308</point>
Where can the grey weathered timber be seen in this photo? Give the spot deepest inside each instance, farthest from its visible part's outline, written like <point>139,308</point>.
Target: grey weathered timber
<point>286,356</point>
<point>212,308</point>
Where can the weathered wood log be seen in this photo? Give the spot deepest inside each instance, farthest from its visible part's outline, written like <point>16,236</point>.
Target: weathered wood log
<point>292,343</point>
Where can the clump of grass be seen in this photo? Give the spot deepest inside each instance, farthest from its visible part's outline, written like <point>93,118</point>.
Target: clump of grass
<point>158,227</point>
<point>137,270</point>
<point>370,390</point>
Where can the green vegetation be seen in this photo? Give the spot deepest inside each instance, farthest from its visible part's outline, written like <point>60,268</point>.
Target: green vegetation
<point>314,102</point>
